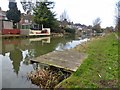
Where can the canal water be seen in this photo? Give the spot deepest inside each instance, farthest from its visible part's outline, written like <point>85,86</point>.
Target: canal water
<point>16,54</point>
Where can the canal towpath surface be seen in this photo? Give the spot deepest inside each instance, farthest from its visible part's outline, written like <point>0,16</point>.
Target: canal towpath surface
<point>67,59</point>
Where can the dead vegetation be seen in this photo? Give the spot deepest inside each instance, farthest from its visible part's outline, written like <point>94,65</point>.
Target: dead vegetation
<point>47,78</point>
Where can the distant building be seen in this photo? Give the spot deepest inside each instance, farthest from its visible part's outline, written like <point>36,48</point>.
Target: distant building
<point>80,26</point>
<point>66,24</point>
<point>26,19</point>
<point>2,14</point>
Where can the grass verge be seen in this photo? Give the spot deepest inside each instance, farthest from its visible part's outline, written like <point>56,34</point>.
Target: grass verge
<point>100,69</point>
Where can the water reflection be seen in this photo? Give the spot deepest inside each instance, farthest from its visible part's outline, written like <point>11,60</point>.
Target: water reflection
<point>71,44</point>
<point>16,55</point>
<point>0,72</point>
<point>0,64</point>
<point>9,77</point>
<point>15,62</point>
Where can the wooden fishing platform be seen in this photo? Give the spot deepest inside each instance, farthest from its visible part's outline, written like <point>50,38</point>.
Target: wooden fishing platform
<point>68,59</point>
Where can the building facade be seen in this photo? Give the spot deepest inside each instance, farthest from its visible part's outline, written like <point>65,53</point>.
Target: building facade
<point>2,14</point>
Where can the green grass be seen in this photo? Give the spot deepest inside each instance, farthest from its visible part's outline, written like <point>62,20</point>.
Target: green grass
<point>100,69</point>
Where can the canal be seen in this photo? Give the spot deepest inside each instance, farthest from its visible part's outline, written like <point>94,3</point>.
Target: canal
<point>16,54</point>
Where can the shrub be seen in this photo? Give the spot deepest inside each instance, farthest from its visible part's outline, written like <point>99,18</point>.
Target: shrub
<point>70,30</point>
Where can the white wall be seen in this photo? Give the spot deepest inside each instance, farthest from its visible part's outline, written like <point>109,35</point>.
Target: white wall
<point>7,25</point>
<point>24,31</point>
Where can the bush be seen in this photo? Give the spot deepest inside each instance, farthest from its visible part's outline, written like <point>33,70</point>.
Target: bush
<point>56,30</point>
<point>70,30</point>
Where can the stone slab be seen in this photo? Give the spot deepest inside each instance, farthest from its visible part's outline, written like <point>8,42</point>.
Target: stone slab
<point>68,59</point>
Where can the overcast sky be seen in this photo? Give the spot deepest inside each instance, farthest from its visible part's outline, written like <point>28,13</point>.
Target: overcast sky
<point>81,11</point>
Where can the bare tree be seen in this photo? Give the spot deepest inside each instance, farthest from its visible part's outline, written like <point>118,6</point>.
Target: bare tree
<point>118,8</point>
<point>27,6</point>
<point>64,16</point>
<point>118,16</point>
<point>96,24</point>
<point>97,21</point>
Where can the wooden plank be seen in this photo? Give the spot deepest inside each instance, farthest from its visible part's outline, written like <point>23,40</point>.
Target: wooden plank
<point>68,59</point>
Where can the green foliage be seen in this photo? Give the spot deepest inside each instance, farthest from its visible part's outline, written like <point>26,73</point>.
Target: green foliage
<point>69,30</point>
<point>43,15</point>
<point>14,14</point>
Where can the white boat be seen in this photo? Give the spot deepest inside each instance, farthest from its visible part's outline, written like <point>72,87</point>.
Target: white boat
<point>27,30</point>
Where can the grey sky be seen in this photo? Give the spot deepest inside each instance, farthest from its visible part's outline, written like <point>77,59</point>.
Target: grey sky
<point>81,11</point>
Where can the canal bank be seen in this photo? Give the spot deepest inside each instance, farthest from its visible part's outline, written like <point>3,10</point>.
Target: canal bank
<point>100,69</point>
<point>67,60</point>
<point>17,52</point>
